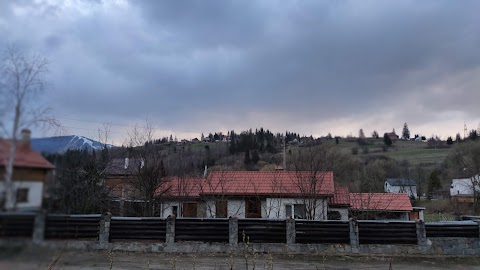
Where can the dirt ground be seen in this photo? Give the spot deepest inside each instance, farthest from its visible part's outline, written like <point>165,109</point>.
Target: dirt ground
<point>35,258</point>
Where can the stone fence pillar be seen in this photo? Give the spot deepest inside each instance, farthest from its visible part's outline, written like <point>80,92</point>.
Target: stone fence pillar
<point>39,227</point>
<point>354,239</point>
<point>290,230</point>
<point>170,230</point>
<point>104,236</point>
<point>233,231</point>
<point>421,233</point>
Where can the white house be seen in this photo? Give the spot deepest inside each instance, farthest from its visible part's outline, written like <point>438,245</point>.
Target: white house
<point>30,173</point>
<point>463,188</point>
<point>250,194</point>
<point>401,186</point>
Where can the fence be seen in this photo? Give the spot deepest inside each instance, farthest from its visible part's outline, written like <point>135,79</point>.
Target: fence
<point>16,225</point>
<point>105,229</point>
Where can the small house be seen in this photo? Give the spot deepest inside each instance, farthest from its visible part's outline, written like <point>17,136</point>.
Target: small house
<point>463,188</point>
<point>408,186</point>
<point>31,172</point>
<point>380,206</point>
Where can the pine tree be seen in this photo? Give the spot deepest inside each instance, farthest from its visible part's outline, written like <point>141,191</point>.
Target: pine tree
<point>361,135</point>
<point>247,160</point>
<point>405,132</point>
<point>255,157</point>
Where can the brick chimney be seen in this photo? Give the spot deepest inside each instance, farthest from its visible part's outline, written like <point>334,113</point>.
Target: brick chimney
<point>25,139</point>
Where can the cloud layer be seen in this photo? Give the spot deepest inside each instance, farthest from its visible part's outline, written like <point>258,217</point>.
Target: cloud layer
<point>310,66</point>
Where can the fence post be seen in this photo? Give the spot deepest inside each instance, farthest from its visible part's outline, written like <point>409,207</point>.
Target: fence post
<point>421,233</point>
<point>354,239</point>
<point>290,230</point>
<point>170,230</point>
<point>39,227</point>
<point>233,231</point>
<point>104,236</point>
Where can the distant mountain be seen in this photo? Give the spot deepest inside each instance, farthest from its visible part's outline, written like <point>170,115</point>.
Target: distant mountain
<point>63,143</point>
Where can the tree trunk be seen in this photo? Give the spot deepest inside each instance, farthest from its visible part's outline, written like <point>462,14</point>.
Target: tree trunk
<point>10,202</point>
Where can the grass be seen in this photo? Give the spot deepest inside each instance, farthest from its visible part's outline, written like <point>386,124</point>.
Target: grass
<point>439,217</point>
<point>416,153</point>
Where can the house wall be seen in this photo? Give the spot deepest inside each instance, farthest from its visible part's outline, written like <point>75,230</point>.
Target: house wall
<point>276,207</point>
<point>410,190</point>
<point>271,208</point>
<point>35,194</point>
<point>464,186</point>
<point>32,174</point>
<point>236,208</point>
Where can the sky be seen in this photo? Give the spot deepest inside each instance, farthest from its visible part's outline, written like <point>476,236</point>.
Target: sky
<point>313,67</point>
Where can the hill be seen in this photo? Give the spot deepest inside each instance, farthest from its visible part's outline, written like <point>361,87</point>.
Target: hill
<point>61,144</point>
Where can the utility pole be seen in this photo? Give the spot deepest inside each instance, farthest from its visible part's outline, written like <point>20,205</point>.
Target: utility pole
<point>464,130</point>
<point>285,152</point>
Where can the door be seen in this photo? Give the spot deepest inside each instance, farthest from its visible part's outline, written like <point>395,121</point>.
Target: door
<point>221,209</point>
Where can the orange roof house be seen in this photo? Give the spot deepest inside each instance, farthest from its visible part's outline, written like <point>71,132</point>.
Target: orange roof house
<point>273,194</point>
<point>380,202</point>
<point>30,173</point>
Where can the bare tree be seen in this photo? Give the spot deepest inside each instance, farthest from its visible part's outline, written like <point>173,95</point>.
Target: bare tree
<point>312,166</point>
<point>21,83</point>
<point>149,175</point>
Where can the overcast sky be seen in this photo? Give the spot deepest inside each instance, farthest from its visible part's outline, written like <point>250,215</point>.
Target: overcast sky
<point>312,67</point>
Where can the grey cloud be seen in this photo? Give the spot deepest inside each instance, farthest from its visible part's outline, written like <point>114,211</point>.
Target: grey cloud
<point>197,64</point>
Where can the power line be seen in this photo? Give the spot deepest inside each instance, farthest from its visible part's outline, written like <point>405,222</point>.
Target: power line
<point>123,125</point>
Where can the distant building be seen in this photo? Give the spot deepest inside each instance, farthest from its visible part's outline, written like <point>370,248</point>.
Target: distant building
<point>408,186</point>
<point>463,188</point>
<point>392,136</point>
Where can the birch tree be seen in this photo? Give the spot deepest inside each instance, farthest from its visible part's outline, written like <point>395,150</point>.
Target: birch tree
<point>22,82</point>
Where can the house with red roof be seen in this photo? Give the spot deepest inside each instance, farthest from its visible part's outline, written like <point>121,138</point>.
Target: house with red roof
<point>367,206</point>
<point>30,173</point>
<point>251,194</point>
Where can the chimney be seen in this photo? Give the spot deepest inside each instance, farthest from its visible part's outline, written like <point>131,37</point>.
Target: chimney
<point>126,163</point>
<point>25,140</point>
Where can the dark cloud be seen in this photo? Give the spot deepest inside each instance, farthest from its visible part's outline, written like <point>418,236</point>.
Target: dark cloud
<point>314,66</point>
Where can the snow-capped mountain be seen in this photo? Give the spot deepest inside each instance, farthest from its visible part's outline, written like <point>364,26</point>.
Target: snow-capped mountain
<point>63,143</point>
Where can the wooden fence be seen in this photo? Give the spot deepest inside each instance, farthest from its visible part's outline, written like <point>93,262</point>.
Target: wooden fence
<point>262,230</point>
<point>452,229</point>
<point>113,229</point>
<point>308,231</point>
<point>387,232</point>
<point>204,230</point>
<point>16,225</point>
<point>72,226</point>
<point>133,228</point>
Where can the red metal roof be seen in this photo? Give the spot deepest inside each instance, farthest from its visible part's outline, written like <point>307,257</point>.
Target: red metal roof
<point>268,183</point>
<point>380,201</point>
<point>25,157</point>
<point>341,197</point>
<point>181,187</point>
<point>254,183</point>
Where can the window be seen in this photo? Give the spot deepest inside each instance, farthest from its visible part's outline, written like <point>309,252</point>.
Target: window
<point>22,195</point>
<point>189,210</point>
<point>298,211</point>
<point>253,208</point>
<point>221,209</point>
<point>288,211</point>
<point>174,210</point>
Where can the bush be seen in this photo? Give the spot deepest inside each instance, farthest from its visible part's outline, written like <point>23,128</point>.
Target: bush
<point>354,150</point>
<point>365,150</point>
